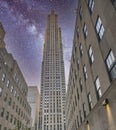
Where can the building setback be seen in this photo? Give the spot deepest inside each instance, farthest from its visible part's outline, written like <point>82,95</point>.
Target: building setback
<point>15,111</point>
<point>91,94</point>
<point>52,100</point>
<point>33,99</point>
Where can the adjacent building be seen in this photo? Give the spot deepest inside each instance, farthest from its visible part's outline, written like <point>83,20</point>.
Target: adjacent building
<point>91,94</point>
<point>52,99</point>
<point>15,111</point>
<point>33,99</point>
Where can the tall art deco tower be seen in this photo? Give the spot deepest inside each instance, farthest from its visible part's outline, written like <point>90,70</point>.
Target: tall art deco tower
<point>52,101</point>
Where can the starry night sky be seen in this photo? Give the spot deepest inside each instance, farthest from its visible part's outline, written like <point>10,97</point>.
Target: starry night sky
<point>24,22</point>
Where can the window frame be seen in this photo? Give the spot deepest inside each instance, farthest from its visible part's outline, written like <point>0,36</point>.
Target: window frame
<point>91,5</point>
<point>89,101</point>
<point>99,28</point>
<point>112,64</point>
<point>98,88</point>
<point>85,72</point>
<point>91,55</point>
<point>85,31</point>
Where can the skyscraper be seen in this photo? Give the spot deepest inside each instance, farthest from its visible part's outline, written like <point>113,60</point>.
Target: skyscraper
<point>52,100</point>
<point>33,99</point>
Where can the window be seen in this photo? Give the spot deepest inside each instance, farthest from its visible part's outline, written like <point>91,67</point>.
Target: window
<point>77,63</point>
<point>3,77</point>
<point>85,32</point>
<point>0,127</point>
<point>0,91</point>
<point>91,56</point>
<point>11,89</point>
<point>80,13</point>
<point>85,72</point>
<point>80,116</point>
<point>75,101</point>
<point>111,65</point>
<point>98,88</point>
<point>15,93</point>
<point>77,31</point>
<point>7,115</point>
<point>91,5</point>
<point>77,93</point>
<point>99,28</point>
<point>114,3</point>
<point>10,100</point>
<point>90,101</point>
<point>80,83</point>
<point>8,83</point>
<point>84,110</point>
<point>2,112</point>
<point>81,49</point>
<point>5,96</point>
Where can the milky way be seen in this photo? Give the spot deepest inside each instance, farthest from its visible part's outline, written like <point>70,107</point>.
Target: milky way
<point>24,22</point>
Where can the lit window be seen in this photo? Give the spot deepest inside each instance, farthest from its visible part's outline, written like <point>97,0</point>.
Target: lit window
<point>91,5</point>
<point>99,28</point>
<point>111,65</point>
<point>80,13</point>
<point>85,31</point>
<point>85,72</point>
<point>90,101</point>
<point>98,88</point>
<point>91,56</point>
<point>3,77</point>
<point>81,49</point>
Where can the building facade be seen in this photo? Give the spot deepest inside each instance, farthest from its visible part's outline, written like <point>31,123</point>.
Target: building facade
<point>91,94</point>
<point>33,99</point>
<point>15,111</point>
<point>52,100</point>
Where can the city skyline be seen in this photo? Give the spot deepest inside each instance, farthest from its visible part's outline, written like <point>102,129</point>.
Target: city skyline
<point>24,24</point>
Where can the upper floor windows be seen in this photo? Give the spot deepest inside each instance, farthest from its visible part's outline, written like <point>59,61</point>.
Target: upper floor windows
<point>85,31</point>
<point>99,28</point>
<point>85,72</point>
<point>91,56</point>
<point>91,5</point>
<point>98,88</point>
<point>111,65</point>
<point>81,13</point>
